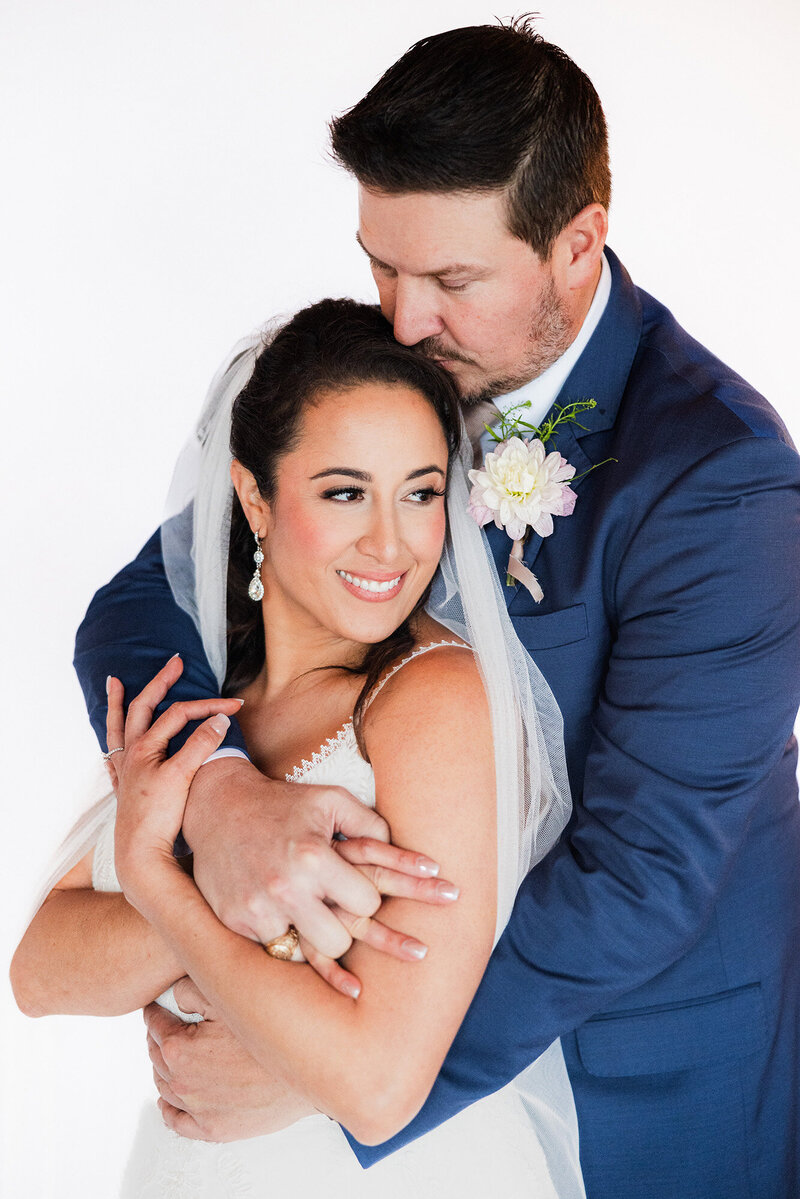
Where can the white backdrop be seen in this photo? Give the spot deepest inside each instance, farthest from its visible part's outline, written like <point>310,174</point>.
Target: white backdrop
<point>166,188</point>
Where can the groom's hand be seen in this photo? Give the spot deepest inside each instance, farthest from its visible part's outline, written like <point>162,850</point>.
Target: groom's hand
<point>210,1088</point>
<point>265,857</point>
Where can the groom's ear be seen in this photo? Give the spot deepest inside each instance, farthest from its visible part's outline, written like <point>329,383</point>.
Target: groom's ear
<point>579,246</point>
<point>255,506</point>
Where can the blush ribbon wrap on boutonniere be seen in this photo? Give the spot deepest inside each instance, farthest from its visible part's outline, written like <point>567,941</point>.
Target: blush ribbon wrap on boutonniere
<point>522,487</point>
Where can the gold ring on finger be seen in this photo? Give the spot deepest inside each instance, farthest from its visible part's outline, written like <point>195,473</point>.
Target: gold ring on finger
<point>283,947</point>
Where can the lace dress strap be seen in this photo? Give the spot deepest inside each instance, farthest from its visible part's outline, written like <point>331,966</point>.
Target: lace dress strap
<point>422,649</point>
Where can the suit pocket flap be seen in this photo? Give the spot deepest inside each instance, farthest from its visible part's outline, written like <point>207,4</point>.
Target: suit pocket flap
<point>551,629</point>
<point>700,1032</point>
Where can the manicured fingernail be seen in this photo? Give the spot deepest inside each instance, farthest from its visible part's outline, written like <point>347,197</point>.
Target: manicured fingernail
<point>241,701</point>
<point>427,866</point>
<point>351,989</point>
<point>174,656</point>
<point>220,723</point>
<point>108,684</point>
<point>447,891</point>
<point>414,949</point>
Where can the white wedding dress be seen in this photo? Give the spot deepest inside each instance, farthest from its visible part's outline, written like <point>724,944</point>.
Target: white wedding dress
<point>489,1148</point>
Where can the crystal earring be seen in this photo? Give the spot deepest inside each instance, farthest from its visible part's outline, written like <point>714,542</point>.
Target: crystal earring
<point>256,588</point>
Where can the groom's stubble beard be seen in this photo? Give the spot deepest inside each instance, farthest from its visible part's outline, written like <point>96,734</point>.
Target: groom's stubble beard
<point>550,335</point>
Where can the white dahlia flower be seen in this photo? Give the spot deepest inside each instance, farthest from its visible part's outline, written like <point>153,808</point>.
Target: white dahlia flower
<point>521,486</point>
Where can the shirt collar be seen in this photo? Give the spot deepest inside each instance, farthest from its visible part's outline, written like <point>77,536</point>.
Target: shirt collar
<point>542,391</point>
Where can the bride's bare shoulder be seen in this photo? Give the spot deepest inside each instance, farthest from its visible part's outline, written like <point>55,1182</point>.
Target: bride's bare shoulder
<point>437,684</point>
<point>428,736</point>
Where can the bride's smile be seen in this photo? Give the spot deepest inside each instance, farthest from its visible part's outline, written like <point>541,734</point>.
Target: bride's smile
<point>372,587</point>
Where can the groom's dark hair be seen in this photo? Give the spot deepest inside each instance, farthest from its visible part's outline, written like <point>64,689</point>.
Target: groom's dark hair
<point>484,108</point>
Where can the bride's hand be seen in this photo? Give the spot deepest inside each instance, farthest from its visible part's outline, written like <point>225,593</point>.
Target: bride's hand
<point>151,788</point>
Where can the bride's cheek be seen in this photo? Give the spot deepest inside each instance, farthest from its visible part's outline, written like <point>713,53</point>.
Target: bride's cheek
<point>304,535</point>
<point>432,539</point>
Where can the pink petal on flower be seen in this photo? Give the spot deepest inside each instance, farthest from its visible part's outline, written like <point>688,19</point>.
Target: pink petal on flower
<point>479,514</point>
<point>565,471</point>
<point>516,528</point>
<point>568,498</point>
<point>550,496</point>
<point>543,525</point>
<point>557,467</point>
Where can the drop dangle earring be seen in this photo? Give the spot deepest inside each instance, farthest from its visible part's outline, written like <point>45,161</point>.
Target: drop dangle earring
<point>256,588</point>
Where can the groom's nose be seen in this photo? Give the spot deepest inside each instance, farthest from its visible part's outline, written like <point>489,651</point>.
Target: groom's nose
<point>413,310</point>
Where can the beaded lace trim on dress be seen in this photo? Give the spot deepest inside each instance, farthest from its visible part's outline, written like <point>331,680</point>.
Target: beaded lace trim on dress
<point>346,734</point>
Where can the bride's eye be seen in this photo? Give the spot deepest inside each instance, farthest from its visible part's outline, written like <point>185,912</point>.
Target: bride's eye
<point>424,495</point>
<point>343,495</point>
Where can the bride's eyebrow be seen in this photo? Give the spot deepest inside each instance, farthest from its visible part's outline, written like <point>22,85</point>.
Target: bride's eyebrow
<point>426,470</point>
<point>363,477</point>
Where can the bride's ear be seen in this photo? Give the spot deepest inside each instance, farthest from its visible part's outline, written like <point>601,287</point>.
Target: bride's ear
<point>256,508</point>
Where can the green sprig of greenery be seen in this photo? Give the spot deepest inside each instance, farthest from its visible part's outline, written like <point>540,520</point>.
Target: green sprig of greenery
<point>512,423</point>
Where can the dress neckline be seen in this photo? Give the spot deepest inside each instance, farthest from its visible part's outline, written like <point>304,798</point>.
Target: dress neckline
<point>345,736</point>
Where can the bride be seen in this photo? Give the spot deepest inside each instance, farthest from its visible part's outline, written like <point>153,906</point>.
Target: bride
<point>370,649</point>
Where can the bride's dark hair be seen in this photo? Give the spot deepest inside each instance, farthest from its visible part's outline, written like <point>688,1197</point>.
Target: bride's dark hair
<point>330,346</point>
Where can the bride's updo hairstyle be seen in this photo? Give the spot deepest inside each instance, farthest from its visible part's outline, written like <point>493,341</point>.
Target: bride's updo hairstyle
<point>328,347</point>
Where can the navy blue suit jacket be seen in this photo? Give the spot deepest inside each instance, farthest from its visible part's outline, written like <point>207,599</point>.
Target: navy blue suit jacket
<point>658,938</point>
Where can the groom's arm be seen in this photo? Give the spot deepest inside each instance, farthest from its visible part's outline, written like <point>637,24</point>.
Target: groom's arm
<point>131,628</point>
<point>696,710</point>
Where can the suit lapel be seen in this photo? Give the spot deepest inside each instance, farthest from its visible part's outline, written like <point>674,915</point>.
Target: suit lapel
<point>569,447</point>
<point>600,374</point>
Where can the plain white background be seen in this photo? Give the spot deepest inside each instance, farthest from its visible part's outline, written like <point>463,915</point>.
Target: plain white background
<point>165,189</point>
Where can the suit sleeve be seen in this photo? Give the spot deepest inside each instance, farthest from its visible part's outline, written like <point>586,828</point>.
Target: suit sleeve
<point>696,711</point>
<point>131,628</point>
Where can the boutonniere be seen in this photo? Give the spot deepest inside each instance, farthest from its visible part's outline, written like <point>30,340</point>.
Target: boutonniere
<point>522,486</point>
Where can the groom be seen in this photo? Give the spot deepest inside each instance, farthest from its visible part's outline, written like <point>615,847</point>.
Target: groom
<point>658,940</point>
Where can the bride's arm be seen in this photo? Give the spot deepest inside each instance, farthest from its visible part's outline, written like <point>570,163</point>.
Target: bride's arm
<point>368,1063</point>
<point>89,953</point>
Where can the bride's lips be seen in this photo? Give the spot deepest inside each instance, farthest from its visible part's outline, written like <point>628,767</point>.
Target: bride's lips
<point>371,586</point>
